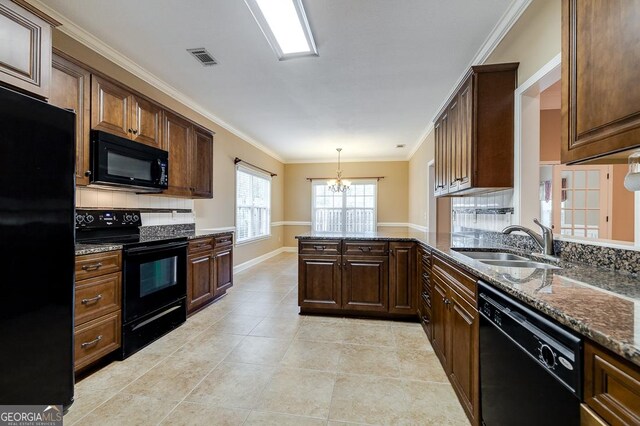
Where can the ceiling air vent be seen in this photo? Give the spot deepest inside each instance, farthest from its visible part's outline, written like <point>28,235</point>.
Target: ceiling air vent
<point>204,57</point>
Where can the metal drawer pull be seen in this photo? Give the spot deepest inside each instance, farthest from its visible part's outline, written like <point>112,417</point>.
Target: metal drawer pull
<point>226,240</point>
<point>92,267</point>
<point>425,320</point>
<point>91,343</point>
<point>92,300</point>
<point>425,276</point>
<point>368,248</point>
<point>319,247</point>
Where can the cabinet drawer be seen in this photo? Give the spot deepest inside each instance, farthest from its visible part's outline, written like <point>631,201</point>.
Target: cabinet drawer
<point>459,280</point>
<point>425,314</point>
<point>93,265</point>
<point>200,244</point>
<point>611,386</point>
<point>97,296</point>
<point>320,247</point>
<point>425,297</point>
<point>96,339</point>
<point>366,248</point>
<point>223,241</point>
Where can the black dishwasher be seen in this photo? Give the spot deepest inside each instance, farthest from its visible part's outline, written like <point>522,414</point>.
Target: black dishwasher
<point>530,367</point>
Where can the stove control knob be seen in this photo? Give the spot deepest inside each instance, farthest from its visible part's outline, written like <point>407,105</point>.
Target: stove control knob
<point>88,218</point>
<point>127,217</point>
<point>135,217</point>
<point>547,356</point>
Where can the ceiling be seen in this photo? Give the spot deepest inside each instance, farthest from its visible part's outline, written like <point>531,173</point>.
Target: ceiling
<point>384,67</point>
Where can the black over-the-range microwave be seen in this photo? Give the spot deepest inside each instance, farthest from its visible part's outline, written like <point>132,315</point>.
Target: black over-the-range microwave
<point>119,163</point>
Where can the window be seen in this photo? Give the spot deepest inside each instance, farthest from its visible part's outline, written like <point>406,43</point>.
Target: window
<point>353,211</point>
<point>253,204</point>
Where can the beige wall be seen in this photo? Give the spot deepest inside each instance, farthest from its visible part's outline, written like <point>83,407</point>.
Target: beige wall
<point>550,126</point>
<point>392,191</point>
<point>219,211</point>
<point>419,182</point>
<point>622,207</point>
<point>533,41</point>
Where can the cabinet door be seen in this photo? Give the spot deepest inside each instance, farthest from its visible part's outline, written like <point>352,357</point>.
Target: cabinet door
<point>440,157</point>
<point>465,136</point>
<point>223,270</point>
<point>319,282</point>
<point>25,51</point>
<point>464,353</point>
<point>600,90</point>
<point>453,146</point>
<point>402,282</point>
<point>178,141</point>
<point>202,164</point>
<point>110,109</point>
<point>439,320</point>
<point>70,88</point>
<point>146,122</point>
<point>200,285</point>
<point>365,283</point>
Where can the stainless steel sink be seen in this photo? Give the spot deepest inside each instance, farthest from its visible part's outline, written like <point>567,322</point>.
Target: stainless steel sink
<point>491,255</point>
<point>519,264</point>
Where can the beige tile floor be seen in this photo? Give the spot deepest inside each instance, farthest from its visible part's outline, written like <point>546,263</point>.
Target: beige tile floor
<point>250,359</point>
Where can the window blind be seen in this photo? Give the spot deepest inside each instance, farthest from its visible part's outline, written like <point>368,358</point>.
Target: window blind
<point>253,204</point>
<point>353,211</point>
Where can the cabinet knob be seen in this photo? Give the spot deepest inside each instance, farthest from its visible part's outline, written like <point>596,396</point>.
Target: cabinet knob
<point>87,173</point>
<point>135,132</point>
<point>130,130</point>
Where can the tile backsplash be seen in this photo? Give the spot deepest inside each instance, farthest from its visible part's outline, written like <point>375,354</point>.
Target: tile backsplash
<point>486,212</point>
<point>102,199</point>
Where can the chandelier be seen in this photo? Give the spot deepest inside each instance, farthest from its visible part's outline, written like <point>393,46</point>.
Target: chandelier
<point>338,184</point>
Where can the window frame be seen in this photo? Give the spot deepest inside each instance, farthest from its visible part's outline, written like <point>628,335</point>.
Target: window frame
<point>262,175</point>
<point>344,207</point>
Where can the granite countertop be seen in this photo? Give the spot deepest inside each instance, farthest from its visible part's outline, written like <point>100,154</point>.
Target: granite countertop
<point>189,234</point>
<point>600,304</point>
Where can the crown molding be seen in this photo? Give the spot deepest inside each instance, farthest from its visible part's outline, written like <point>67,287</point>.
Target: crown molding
<point>81,35</point>
<point>499,31</point>
<point>350,160</point>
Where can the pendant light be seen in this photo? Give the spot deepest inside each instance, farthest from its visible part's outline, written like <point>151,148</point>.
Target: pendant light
<point>338,184</point>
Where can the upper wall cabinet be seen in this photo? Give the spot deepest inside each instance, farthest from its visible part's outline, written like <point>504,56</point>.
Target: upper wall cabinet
<point>25,48</point>
<point>600,90</point>
<point>474,133</point>
<point>116,110</point>
<point>70,88</point>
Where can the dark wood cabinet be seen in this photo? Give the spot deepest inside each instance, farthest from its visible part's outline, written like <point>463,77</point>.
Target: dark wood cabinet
<point>178,140</point>
<point>365,283</point>
<point>115,109</point>
<point>455,332</point>
<point>320,281</point>
<point>600,91</point>
<point>98,304</point>
<point>202,168</point>
<point>223,263</point>
<point>358,277</point>
<point>474,133</point>
<point>25,50</point>
<point>210,270</point>
<point>423,289</point>
<point>71,89</point>
<point>402,278</point>
<point>200,276</point>
<point>611,386</point>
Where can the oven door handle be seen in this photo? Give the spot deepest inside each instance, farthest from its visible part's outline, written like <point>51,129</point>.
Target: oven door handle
<point>154,249</point>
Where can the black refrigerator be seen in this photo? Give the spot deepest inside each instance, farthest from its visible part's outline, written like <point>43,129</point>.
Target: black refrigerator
<point>37,202</point>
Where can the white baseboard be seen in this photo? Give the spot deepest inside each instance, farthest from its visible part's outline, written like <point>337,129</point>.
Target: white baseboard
<point>418,227</point>
<point>259,259</point>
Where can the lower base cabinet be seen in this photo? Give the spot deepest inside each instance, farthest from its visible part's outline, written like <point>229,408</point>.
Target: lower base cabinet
<point>209,271</point>
<point>611,388</point>
<point>357,277</point>
<point>455,332</point>
<point>97,310</point>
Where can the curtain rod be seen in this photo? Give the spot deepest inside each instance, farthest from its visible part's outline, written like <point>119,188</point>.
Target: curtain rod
<point>238,160</point>
<point>347,178</point>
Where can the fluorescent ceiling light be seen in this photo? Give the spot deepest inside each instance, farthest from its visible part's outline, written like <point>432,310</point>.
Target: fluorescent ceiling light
<point>284,24</point>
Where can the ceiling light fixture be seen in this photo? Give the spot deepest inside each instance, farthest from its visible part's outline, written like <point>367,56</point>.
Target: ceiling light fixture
<point>284,24</point>
<point>339,184</point>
